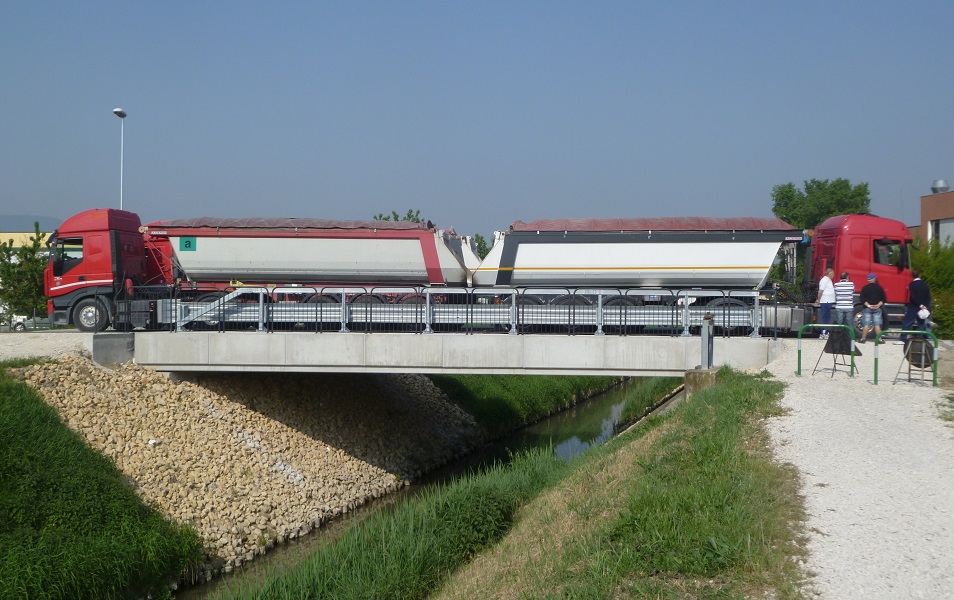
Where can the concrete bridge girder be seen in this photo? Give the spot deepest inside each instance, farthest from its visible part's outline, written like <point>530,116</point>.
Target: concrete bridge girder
<point>431,353</point>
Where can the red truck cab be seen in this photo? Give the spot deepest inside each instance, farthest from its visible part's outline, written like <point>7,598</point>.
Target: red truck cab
<point>861,244</point>
<point>92,257</point>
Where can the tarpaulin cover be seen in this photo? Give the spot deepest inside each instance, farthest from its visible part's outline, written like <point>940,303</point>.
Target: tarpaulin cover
<point>656,224</point>
<point>288,223</point>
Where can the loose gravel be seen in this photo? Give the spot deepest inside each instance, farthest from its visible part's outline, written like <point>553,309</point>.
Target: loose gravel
<point>877,461</point>
<point>877,465</point>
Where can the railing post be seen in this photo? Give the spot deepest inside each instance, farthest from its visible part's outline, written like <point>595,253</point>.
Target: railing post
<point>707,341</point>
<point>798,370</point>
<point>261,309</point>
<point>756,318</point>
<point>427,312</point>
<point>599,314</point>
<point>513,312</point>
<point>344,312</point>
<point>685,314</point>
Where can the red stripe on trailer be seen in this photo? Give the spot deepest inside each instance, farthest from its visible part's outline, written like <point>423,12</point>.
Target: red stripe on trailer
<point>432,263</point>
<point>199,232</point>
<point>288,224</point>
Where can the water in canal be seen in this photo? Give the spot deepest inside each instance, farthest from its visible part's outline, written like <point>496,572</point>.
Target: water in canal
<point>569,433</point>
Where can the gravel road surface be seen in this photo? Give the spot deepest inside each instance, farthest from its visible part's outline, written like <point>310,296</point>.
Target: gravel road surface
<point>877,465</point>
<point>45,343</point>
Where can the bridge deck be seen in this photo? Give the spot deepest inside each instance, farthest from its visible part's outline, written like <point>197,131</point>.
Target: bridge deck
<point>427,353</point>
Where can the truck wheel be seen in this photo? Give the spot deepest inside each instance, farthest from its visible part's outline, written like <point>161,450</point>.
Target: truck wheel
<point>19,327</point>
<point>89,315</point>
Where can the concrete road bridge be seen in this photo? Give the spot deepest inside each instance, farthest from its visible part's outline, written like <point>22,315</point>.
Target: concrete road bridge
<point>528,354</point>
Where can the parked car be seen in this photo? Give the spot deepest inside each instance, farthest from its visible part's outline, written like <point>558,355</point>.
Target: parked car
<point>23,323</point>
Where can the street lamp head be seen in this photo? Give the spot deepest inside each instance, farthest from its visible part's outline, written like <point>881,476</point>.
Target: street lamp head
<point>119,113</point>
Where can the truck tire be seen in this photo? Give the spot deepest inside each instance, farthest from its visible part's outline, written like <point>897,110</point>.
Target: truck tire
<point>19,327</point>
<point>89,315</point>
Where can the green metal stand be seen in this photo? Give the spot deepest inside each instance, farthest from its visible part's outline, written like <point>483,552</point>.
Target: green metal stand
<point>909,332</point>
<point>851,334</point>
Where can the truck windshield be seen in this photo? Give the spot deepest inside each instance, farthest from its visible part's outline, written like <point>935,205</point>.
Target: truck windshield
<point>889,252</point>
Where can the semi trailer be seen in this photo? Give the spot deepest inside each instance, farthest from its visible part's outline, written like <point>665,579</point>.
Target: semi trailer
<point>577,275</point>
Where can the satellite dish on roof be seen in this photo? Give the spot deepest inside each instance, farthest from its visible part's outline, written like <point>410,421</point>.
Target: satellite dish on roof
<point>940,186</point>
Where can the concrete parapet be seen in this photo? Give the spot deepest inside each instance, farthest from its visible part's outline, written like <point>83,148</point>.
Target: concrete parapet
<point>440,353</point>
<point>111,349</point>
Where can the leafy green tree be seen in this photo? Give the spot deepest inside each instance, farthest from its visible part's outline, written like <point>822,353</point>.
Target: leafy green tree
<point>481,243</point>
<point>936,263</point>
<point>413,216</point>
<point>819,200</point>
<point>21,276</point>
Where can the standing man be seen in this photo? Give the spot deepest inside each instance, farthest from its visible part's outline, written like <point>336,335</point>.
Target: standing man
<point>844,300</point>
<point>826,299</point>
<point>919,296</point>
<point>872,295</point>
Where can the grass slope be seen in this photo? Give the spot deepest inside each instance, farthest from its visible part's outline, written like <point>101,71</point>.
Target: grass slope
<point>69,526</point>
<point>691,506</point>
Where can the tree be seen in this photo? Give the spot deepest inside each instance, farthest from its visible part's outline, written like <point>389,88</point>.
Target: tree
<point>21,275</point>
<point>820,200</point>
<point>936,263</point>
<point>481,244</point>
<point>413,216</point>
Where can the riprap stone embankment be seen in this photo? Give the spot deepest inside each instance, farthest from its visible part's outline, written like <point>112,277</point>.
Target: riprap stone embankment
<point>254,459</point>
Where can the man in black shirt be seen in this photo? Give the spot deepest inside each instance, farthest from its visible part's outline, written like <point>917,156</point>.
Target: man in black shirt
<point>919,297</point>
<point>872,295</point>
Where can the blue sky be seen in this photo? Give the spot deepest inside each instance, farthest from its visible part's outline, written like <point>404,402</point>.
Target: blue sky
<point>477,114</point>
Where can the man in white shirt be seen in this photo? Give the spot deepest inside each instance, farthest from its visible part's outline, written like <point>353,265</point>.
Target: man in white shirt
<point>844,300</point>
<point>826,299</point>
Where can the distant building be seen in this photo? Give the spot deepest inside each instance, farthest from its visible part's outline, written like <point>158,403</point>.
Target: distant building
<point>937,214</point>
<point>20,238</point>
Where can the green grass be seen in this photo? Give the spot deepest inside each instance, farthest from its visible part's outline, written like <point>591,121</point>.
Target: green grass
<point>712,514</point>
<point>409,551</point>
<point>503,403</point>
<point>644,393</point>
<point>69,526</point>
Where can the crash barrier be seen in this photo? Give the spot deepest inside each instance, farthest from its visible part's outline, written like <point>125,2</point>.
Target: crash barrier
<point>568,311</point>
<point>851,332</point>
<point>912,334</point>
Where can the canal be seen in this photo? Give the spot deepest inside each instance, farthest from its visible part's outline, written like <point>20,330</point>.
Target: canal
<point>569,433</point>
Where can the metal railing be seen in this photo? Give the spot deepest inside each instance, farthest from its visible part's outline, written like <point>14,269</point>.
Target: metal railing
<point>565,311</point>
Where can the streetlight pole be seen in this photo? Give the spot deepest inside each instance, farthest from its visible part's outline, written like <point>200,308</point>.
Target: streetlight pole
<point>122,141</point>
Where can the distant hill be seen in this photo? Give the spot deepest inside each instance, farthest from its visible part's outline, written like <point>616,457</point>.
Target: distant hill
<point>24,223</point>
